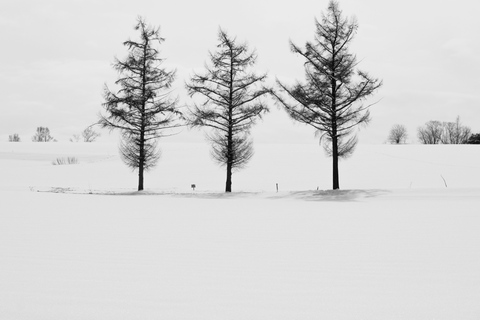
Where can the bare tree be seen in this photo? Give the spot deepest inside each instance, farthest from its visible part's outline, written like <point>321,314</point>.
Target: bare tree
<point>430,133</point>
<point>42,135</point>
<point>398,134</point>
<point>331,99</point>
<point>435,132</point>
<point>141,108</point>
<point>455,132</point>
<point>90,135</point>
<point>14,137</point>
<point>75,138</point>
<point>231,103</point>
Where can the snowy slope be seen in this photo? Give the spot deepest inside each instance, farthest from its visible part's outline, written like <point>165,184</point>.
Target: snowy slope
<point>395,244</point>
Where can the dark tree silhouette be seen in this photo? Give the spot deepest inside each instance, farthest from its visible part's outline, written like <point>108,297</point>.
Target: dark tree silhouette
<point>331,99</point>
<point>398,134</point>
<point>141,107</point>
<point>231,104</point>
<point>474,139</point>
<point>42,135</point>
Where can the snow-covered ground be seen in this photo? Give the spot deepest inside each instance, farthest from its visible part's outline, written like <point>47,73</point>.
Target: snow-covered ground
<point>401,240</point>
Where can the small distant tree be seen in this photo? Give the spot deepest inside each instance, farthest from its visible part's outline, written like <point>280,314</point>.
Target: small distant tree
<point>42,135</point>
<point>430,133</point>
<point>141,109</point>
<point>14,137</point>
<point>90,135</point>
<point>231,103</point>
<point>398,134</point>
<point>474,139</point>
<point>455,133</point>
<point>331,99</point>
<point>75,138</point>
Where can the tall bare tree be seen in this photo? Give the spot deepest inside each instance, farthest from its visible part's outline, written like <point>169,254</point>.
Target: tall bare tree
<point>331,99</point>
<point>231,103</point>
<point>141,108</point>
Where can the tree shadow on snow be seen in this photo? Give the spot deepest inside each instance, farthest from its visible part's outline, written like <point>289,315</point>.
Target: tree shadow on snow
<point>335,195</point>
<point>310,195</point>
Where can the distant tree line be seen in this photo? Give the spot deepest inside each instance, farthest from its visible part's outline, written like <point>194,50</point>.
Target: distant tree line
<point>436,132</point>
<point>43,135</point>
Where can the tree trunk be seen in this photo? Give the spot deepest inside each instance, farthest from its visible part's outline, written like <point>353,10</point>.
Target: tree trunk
<point>333,82</point>
<point>141,162</point>
<point>336,181</point>
<point>228,184</point>
<point>140,177</point>
<point>141,156</point>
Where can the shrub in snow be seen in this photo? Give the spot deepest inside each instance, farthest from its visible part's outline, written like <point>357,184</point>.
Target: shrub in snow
<point>42,135</point>
<point>90,135</point>
<point>14,138</point>
<point>62,161</point>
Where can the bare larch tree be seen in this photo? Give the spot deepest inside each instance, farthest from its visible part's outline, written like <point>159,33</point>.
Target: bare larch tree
<point>141,108</point>
<point>331,99</point>
<point>231,94</point>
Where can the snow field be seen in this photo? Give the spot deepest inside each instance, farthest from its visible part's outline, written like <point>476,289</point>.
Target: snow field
<point>406,252</point>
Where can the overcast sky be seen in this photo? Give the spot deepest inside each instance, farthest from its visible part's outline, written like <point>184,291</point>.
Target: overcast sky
<point>57,55</point>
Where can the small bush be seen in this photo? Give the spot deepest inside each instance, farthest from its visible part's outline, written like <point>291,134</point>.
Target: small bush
<point>63,161</point>
<point>14,138</point>
<point>42,135</point>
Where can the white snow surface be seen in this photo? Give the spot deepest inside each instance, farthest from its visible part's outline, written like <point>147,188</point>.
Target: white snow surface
<point>401,240</point>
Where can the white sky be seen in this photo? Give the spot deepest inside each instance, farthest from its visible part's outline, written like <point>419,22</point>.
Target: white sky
<point>57,55</point>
